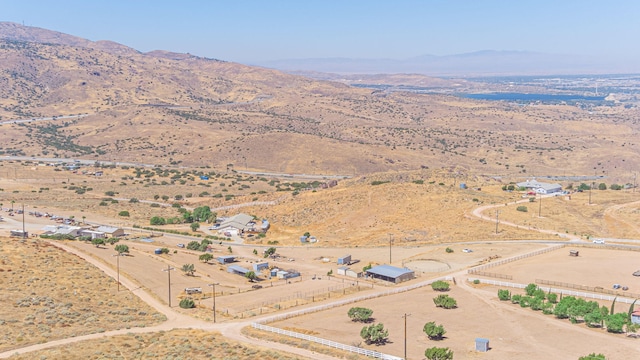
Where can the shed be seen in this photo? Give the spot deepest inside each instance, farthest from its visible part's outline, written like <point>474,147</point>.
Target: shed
<point>352,273</point>
<point>281,274</point>
<point>391,273</point>
<point>260,266</point>
<point>236,269</point>
<point>303,239</point>
<point>574,252</point>
<point>635,317</point>
<point>482,344</point>
<point>345,260</point>
<point>226,259</point>
<point>274,272</point>
<point>93,234</point>
<point>342,270</point>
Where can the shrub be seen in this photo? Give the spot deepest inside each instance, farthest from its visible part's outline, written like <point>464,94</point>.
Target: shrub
<point>433,331</point>
<point>123,213</point>
<point>157,220</point>
<point>504,295</point>
<point>440,285</point>
<point>448,250</point>
<point>360,314</point>
<point>187,303</point>
<point>436,353</point>
<point>522,208</point>
<point>445,301</point>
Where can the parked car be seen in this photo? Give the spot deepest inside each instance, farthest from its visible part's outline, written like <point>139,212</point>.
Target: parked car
<point>616,286</point>
<point>467,250</point>
<point>181,245</point>
<point>257,286</point>
<point>598,241</point>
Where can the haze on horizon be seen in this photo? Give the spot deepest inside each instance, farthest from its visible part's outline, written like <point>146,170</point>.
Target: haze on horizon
<point>254,32</point>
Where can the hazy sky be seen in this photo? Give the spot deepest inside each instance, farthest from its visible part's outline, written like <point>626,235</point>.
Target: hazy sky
<point>259,30</point>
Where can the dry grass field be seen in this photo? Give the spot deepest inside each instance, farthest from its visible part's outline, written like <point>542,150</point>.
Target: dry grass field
<point>175,344</point>
<point>49,294</point>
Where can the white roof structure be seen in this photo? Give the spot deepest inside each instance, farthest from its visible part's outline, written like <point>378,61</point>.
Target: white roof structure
<point>540,187</point>
<point>107,229</point>
<point>239,222</point>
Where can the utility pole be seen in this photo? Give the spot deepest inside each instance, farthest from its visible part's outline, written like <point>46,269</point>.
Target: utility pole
<point>213,291</point>
<point>24,234</point>
<point>497,221</point>
<point>390,241</point>
<point>118,268</point>
<point>540,206</point>
<point>405,334</point>
<point>168,270</point>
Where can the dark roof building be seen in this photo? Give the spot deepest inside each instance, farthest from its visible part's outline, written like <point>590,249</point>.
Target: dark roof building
<point>391,273</point>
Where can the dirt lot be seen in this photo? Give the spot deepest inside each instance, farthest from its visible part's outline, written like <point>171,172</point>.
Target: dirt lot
<point>595,267</point>
<point>512,331</point>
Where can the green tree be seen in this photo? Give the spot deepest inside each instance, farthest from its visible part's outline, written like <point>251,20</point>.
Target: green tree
<point>433,331</point>
<point>360,314</point>
<point>530,289</point>
<point>157,220</point>
<point>602,186</point>
<point>195,226</point>
<point>188,269</point>
<point>201,213</point>
<point>270,251</point>
<point>187,303</point>
<point>251,275</point>
<point>165,197</point>
<point>504,294</point>
<point>440,285</point>
<point>616,322</point>
<point>111,240</point>
<point>436,353</point>
<point>553,298</point>
<point>193,245</point>
<point>205,257</point>
<point>164,250</point>
<point>121,248</point>
<point>123,213</point>
<point>374,334</point>
<point>593,356</point>
<point>97,242</point>
<point>156,197</point>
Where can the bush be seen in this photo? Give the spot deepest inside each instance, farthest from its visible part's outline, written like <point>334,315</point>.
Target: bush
<point>445,301</point>
<point>448,250</point>
<point>433,331</point>
<point>360,314</point>
<point>187,303</point>
<point>157,220</point>
<point>593,356</point>
<point>436,353</point>
<point>504,295</point>
<point>522,208</point>
<point>440,285</point>
<point>123,213</point>
<point>530,289</point>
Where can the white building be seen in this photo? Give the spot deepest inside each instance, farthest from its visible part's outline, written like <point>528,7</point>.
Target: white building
<point>540,187</point>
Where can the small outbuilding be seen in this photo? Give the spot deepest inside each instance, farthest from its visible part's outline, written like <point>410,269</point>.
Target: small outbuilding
<point>482,344</point>
<point>574,253</point>
<point>238,270</point>
<point>391,273</point>
<point>345,260</point>
<point>635,317</point>
<point>260,266</point>
<point>226,259</point>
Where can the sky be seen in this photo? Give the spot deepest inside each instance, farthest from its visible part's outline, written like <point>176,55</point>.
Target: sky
<point>252,31</point>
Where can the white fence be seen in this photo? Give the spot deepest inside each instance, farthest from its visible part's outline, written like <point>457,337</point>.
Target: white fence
<point>333,344</point>
<point>581,294</point>
<point>515,258</point>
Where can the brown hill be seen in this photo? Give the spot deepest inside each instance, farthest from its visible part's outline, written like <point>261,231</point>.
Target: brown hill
<point>165,108</point>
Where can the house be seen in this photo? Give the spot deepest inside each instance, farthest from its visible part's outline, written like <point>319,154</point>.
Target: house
<point>111,231</point>
<point>236,224</point>
<point>62,230</point>
<point>540,187</point>
<point>391,273</point>
<point>93,234</point>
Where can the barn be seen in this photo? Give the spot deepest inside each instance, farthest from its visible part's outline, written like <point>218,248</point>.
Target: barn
<point>391,273</point>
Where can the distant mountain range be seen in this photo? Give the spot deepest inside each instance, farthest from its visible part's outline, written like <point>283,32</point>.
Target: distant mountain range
<point>481,63</point>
